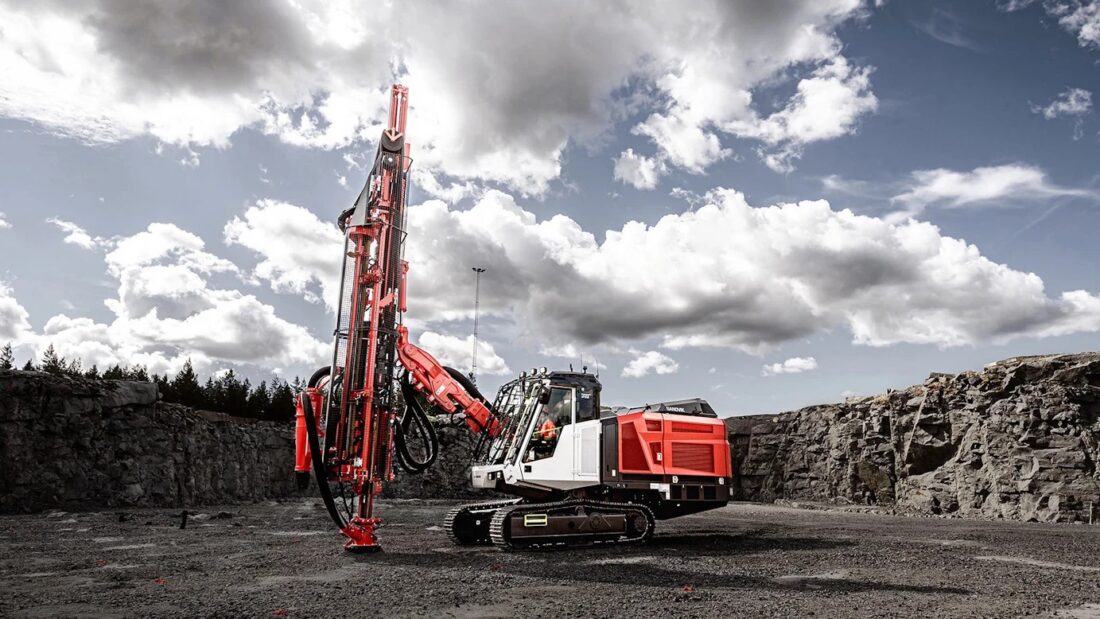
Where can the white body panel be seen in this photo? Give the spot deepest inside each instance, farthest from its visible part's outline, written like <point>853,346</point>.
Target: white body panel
<point>575,463</point>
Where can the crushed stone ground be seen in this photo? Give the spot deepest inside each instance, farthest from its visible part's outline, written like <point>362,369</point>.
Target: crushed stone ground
<point>283,559</point>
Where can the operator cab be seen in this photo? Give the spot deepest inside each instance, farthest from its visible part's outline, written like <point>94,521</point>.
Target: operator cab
<point>550,422</point>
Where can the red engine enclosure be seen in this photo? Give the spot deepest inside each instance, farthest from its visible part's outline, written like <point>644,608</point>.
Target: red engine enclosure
<point>657,443</point>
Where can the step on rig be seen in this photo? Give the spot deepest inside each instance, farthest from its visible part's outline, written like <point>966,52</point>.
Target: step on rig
<point>583,474</point>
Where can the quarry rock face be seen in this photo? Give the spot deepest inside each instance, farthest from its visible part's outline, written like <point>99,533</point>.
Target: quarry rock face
<point>73,443</point>
<point>1018,440</point>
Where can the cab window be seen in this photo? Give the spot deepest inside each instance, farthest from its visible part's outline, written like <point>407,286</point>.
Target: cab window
<point>554,415</point>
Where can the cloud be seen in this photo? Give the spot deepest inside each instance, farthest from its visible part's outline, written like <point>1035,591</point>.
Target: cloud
<point>14,319</point>
<point>297,249</point>
<point>638,170</point>
<point>741,277</point>
<point>457,352</point>
<point>794,365</point>
<point>984,186</point>
<point>1072,102</point>
<point>827,105</point>
<point>75,235</point>
<point>651,362</point>
<point>168,310</point>
<point>499,91</point>
<point>947,27</point>
<point>1079,17</point>
<point>4,222</point>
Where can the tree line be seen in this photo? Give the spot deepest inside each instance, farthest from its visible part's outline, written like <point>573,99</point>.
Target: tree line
<point>226,393</point>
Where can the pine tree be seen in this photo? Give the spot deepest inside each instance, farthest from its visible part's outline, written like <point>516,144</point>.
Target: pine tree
<point>51,363</point>
<point>138,373</point>
<point>73,368</point>
<point>29,366</point>
<point>7,357</point>
<point>185,388</point>
<point>115,372</point>
<point>258,401</point>
<point>92,372</point>
<point>211,394</point>
<point>236,395</point>
<point>163,388</point>
<point>282,402</point>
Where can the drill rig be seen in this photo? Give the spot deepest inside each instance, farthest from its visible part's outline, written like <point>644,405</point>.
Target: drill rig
<point>582,473</point>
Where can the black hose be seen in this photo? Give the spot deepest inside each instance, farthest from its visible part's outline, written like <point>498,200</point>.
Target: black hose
<point>471,389</point>
<point>317,376</point>
<point>319,462</point>
<point>414,413</point>
<point>467,384</point>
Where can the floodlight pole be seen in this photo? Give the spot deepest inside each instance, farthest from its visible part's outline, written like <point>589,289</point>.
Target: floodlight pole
<point>477,301</point>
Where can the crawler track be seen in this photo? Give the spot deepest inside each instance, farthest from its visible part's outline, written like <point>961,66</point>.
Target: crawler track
<point>468,525</point>
<point>571,522</point>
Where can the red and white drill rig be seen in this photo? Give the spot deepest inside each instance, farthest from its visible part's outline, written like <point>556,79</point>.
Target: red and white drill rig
<point>578,473</point>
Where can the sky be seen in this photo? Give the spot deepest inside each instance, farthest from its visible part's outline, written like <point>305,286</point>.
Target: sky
<point>767,205</point>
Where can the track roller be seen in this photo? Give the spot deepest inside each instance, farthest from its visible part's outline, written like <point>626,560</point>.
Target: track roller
<point>468,525</point>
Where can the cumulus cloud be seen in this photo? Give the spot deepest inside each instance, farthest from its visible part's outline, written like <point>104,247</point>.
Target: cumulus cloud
<point>827,105</point>
<point>794,365</point>
<point>741,277</point>
<point>4,222</point>
<point>1079,17</point>
<point>167,310</point>
<point>311,257</point>
<point>650,362</point>
<point>14,319</point>
<point>983,186</point>
<point>499,90</point>
<point>638,170</point>
<point>457,352</point>
<point>75,235</point>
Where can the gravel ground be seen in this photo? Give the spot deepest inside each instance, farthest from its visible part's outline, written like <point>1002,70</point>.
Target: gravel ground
<point>282,559</point>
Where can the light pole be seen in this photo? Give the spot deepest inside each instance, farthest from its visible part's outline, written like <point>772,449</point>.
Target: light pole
<point>477,300</point>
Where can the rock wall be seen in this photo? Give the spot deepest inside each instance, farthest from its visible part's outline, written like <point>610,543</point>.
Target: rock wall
<point>83,444</point>
<point>78,444</point>
<point>1017,440</point>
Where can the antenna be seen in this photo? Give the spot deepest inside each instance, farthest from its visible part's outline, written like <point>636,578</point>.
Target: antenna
<point>477,301</point>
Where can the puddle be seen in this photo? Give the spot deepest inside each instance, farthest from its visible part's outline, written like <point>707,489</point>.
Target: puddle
<point>1037,563</point>
<point>1088,611</point>
<point>622,560</point>
<point>338,575</point>
<point>809,579</point>
<point>129,547</point>
<point>296,533</point>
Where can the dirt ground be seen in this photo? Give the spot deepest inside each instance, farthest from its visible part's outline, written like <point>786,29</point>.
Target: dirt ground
<point>283,559</point>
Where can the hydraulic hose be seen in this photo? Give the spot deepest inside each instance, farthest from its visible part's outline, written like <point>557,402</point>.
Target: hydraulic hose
<point>316,455</point>
<point>414,413</point>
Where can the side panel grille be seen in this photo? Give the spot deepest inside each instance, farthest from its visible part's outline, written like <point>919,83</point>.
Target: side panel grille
<point>693,456</point>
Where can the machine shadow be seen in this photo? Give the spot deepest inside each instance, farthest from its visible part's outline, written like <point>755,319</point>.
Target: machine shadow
<point>639,564</point>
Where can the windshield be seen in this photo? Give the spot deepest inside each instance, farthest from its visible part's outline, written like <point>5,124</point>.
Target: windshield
<point>516,403</point>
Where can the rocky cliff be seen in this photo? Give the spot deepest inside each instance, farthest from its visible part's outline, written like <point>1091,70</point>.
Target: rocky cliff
<point>75,443</point>
<point>1016,440</point>
<point>82,444</point>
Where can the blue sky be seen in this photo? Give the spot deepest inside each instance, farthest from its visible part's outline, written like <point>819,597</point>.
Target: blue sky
<point>767,205</point>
